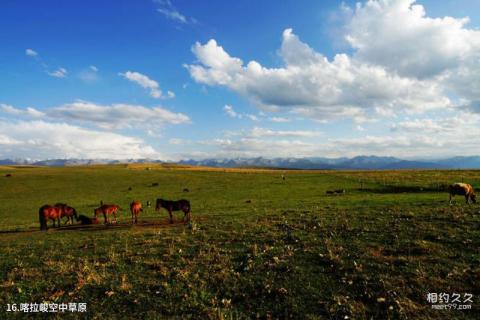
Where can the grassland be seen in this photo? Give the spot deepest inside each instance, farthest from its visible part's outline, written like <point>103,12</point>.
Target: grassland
<point>258,246</point>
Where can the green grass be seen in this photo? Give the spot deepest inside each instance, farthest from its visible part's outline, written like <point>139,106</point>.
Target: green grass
<point>290,252</point>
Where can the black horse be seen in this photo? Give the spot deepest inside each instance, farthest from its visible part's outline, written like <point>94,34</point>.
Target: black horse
<point>179,205</point>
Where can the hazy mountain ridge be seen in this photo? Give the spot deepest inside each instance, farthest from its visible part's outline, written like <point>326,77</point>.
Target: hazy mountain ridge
<point>355,163</point>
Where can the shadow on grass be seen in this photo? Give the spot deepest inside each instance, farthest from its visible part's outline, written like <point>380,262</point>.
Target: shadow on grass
<point>403,189</point>
<point>109,227</point>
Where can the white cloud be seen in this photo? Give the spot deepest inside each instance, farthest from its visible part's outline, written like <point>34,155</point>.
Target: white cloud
<point>398,35</point>
<point>59,73</point>
<point>231,112</point>
<point>228,109</point>
<point>279,119</point>
<point>147,83</point>
<point>178,141</point>
<point>403,62</point>
<point>43,140</point>
<point>311,85</point>
<point>118,115</point>
<point>30,112</point>
<point>89,75</point>
<point>452,135</point>
<point>31,53</point>
<point>252,117</point>
<point>169,11</point>
<point>262,132</point>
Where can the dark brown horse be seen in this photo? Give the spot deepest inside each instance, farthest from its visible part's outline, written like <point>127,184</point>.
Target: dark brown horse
<point>49,212</point>
<point>463,189</point>
<point>135,208</point>
<point>107,209</point>
<point>67,211</point>
<point>180,205</point>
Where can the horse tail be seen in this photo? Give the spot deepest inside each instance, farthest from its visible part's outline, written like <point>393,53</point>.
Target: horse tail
<point>41,217</point>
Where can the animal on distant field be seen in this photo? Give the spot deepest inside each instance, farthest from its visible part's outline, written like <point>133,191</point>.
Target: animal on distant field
<point>186,190</point>
<point>135,208</point>
<point>8,175</point>
<point>67,211</point>
<point>180,205</point>
<point>283,177</point>
<point>339,191</point>
<point>463,189</point>
<point>86,220</point>
<point>106,210</point>
<point>155,184</point>
<point>149,203</point>
<point>49,212</point>
<point>329,192</point>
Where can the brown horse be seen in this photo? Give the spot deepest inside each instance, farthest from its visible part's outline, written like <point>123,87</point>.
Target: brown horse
<point>67,211</point>
<point>107,209</point>
<point>49,212</point>
<point>463,189</point>
<point>135,208</point>
<point>180,205</point>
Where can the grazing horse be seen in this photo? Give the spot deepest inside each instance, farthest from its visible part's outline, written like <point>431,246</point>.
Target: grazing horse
<point>49,212</point>
<point>107,209</point>
<point>86,220</point>
<point>463,189</point>
<point>67,211</point>
<point>135,208</point>
<point>180,205</point>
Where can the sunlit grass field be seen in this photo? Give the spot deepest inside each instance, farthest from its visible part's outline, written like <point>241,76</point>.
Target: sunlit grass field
<point>258,246</point>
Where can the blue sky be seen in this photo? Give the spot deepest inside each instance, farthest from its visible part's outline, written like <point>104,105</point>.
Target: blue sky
<point>196,79</point>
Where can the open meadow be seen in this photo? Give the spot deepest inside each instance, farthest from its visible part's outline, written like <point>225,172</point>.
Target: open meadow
<point>258,246</point>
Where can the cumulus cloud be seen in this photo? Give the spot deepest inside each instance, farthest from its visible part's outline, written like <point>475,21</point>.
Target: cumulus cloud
<point>398,35</point>
<point>147,83</point>
<point>118,115</point>
<point>312,85</point>
<point>403,61</point>
<point>43,140</point>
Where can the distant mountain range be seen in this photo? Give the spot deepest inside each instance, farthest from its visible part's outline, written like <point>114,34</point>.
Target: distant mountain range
<point>355,163</point>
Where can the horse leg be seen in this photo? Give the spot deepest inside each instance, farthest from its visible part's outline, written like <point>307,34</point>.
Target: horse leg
<point>115,216</point>
<point>467,198</point>
<point>170,213</point>
<point>105,221</point>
